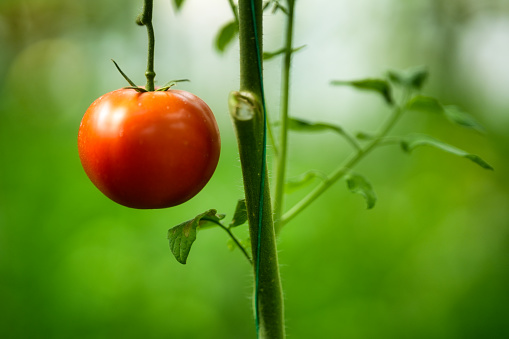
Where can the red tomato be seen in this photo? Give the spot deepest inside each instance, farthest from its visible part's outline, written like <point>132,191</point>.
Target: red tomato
<point>151,149</point>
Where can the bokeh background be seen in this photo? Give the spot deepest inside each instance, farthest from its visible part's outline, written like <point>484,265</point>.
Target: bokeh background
<point>431,260</point>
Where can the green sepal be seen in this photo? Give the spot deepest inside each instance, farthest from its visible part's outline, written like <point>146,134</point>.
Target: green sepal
<point>133,85</point>
<point>226,35</point>
<point>377,85</point>
<point>412,141</point>
<point>240,215</point>
<point>360,185</point>
<point>182,236</point>
<point>170,84</point>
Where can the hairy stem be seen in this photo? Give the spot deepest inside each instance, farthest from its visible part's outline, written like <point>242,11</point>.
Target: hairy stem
<point>248,119</point>
<point>283,133</point>
<point>236,241</point>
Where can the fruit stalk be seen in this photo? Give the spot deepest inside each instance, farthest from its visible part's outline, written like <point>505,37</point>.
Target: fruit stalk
<point>145,19</point>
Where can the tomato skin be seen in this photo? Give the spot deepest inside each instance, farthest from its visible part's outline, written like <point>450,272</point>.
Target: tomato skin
<point>151,149</point>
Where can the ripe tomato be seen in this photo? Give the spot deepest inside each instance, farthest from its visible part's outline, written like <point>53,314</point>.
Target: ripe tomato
<point>151,149</point>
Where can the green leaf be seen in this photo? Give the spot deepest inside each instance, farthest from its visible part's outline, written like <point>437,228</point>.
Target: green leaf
<point>300,125</point>
<point>240,215</point>
<point>412,78</point>
<point>182,236</point>
<point>421,103</point>
<point>365,136</point>
<point>226,35</point>
<point>178,4</point>
<point>409,143</point>
<point>270,55</point>
<point>377,85</point>
<point>457,116</point>
<point>296,183</point>
<point>358,184</point>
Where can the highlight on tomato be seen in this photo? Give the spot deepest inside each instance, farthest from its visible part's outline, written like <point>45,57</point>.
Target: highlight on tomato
<point>150,149</point>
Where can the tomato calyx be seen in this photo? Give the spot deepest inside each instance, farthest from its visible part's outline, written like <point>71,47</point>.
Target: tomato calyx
<point>166,87</point>
<point>170,84</point>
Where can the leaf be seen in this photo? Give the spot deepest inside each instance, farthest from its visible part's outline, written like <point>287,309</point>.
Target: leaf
<point>377,85</point>
<point>240,215</point>
<point>296,183</point>
<point>421,103</point>
<point>270,55</point>
<point>412,78</point>
<point>358,184</point>
<point>182,236</point>
<point>457,116</point>
<point>418,77</point>
<point>454,114</point>
<point>409,143</point>
<point>178,4</point>
<point>300,125</point>
<point>226,35</point>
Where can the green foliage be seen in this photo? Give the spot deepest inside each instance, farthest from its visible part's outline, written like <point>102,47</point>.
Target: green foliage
<point>426,104</point>
<point>182,236</point>
<point>421,103</point>
<point>376,85</point>
<point>303,180</point>
<point>226,35</point>
<point>413,141</point>
<point>301,125</point>
<point>276,6</point>
<point>271,55</point>
<point>240,214</point>
<point>459,117</point>
<point>413,78</point>
<point>358,184</point>
<point>178,4</point>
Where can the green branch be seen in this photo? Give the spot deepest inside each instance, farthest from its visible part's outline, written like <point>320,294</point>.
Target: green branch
<point>342,170</point>
<point>283,133</point>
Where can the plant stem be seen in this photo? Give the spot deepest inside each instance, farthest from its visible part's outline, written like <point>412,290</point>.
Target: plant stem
<point>283,133</point>
<point>248,120</point>
<point>342,170</point>
<point>145,19</point>
<point>235,12</point>
<point>236,241</point>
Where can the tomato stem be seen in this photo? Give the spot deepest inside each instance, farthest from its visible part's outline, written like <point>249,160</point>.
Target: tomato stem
<point>145,19</point>
<point>248,119</point>
<point>283,133</point>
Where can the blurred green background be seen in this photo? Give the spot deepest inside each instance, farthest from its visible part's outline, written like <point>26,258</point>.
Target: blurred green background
<point>431,260</point>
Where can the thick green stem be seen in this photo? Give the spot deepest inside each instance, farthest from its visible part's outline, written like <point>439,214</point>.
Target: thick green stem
<point>145,19</point>
<point>248,119</point>
<point>283,121</point>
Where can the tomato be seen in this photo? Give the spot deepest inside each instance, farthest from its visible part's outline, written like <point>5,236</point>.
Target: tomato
<point>149,150</point>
